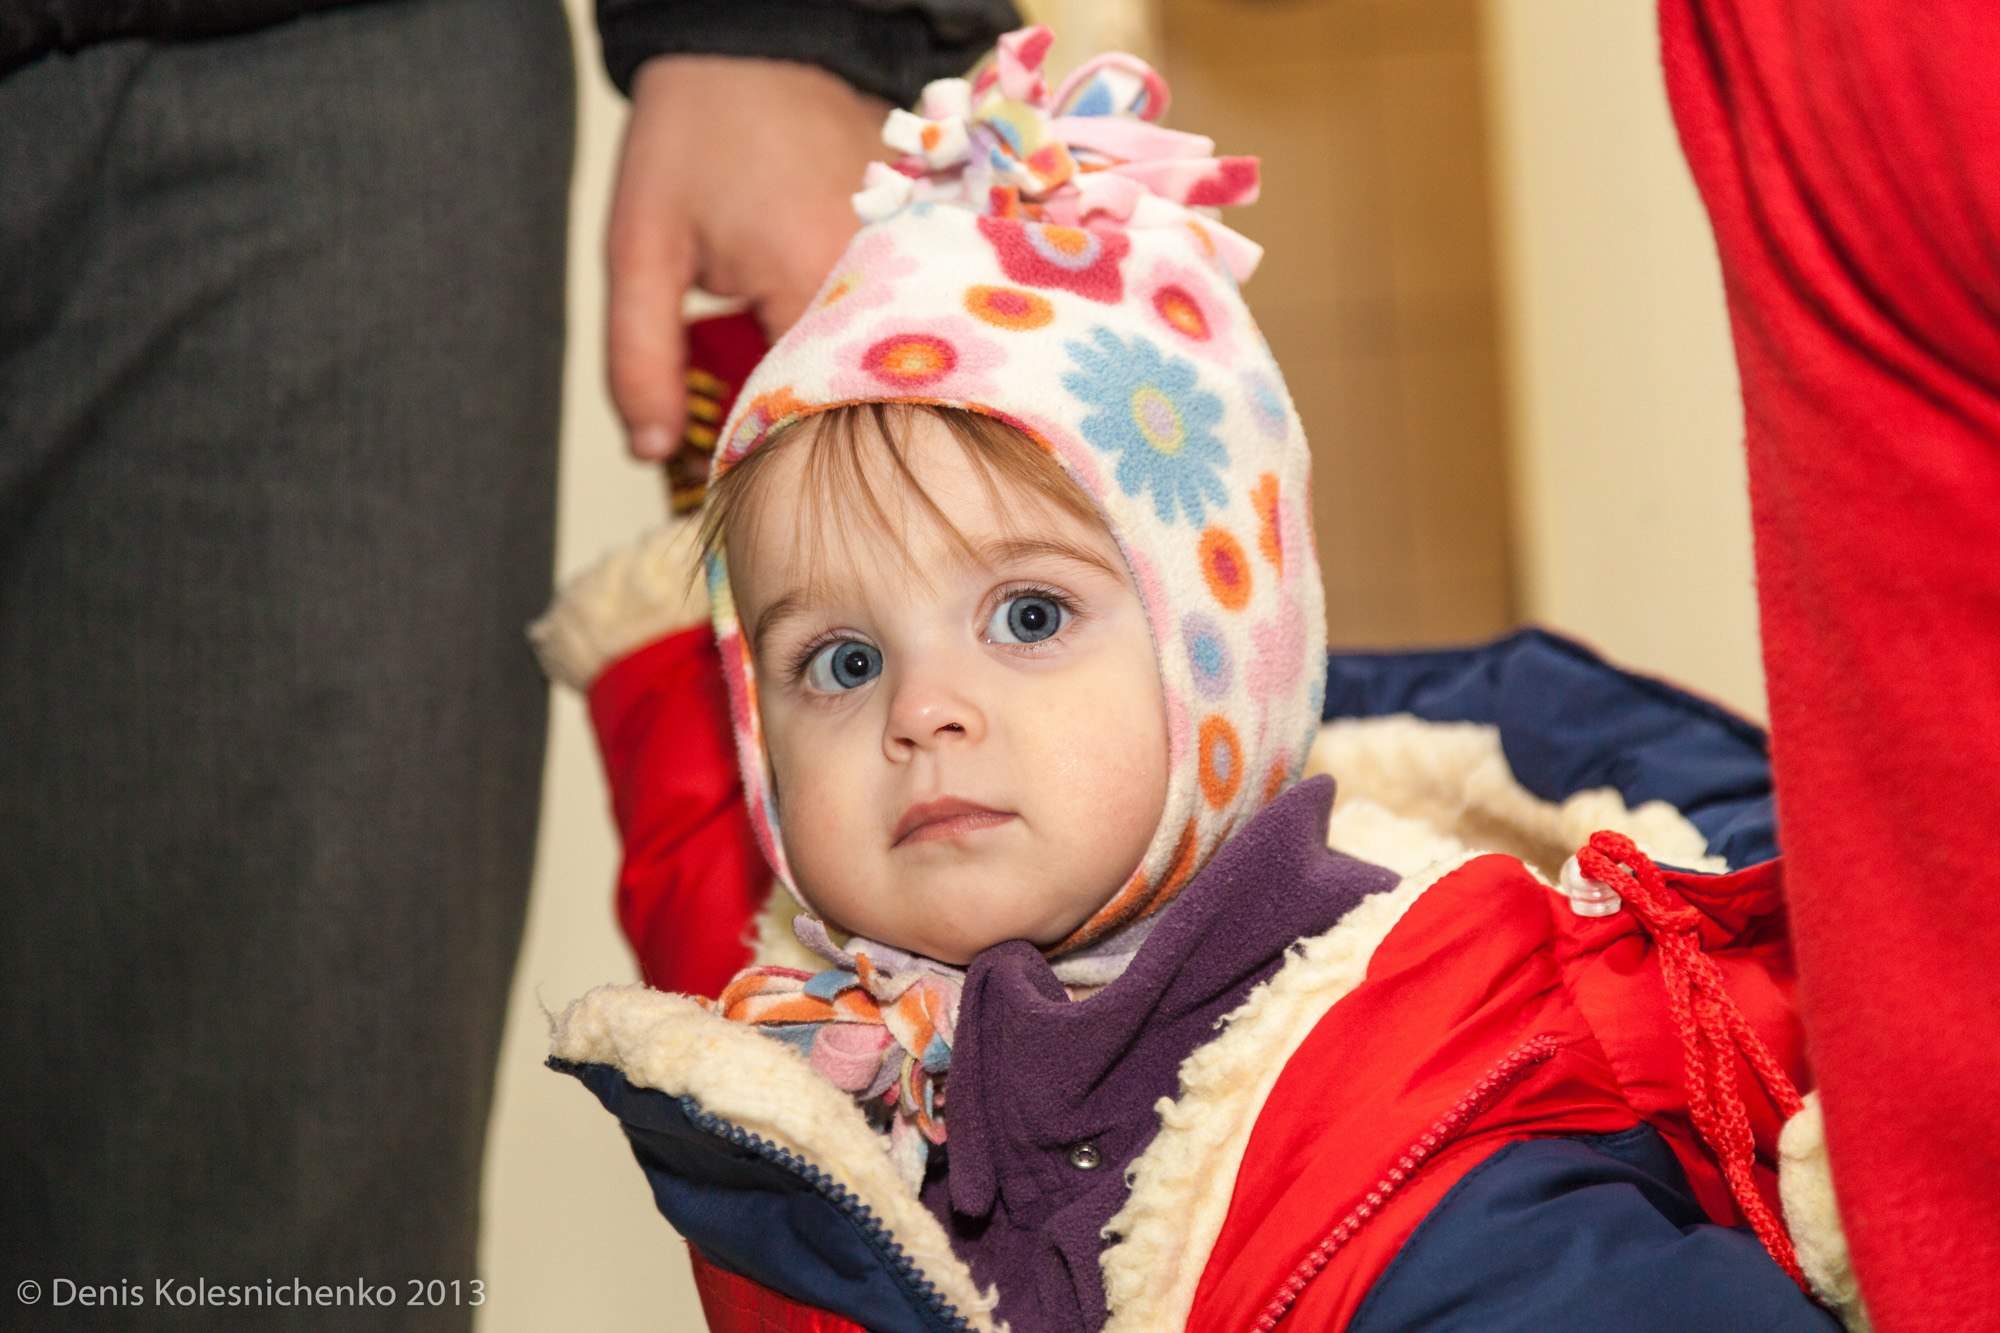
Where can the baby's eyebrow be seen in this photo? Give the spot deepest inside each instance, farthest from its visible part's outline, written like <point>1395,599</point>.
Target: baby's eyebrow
<point>791,605</point>
<point>1004,550</point>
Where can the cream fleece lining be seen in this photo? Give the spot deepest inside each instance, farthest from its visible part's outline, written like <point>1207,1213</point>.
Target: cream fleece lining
<point>1453,777</point>
<point>631,597</point>
<point>1805,1187</point>
<point>671,1043</point>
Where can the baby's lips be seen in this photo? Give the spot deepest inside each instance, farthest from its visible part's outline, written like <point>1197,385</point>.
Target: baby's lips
<point>945,811</point>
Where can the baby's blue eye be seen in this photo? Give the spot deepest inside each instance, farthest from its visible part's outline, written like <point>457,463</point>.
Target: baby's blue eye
<point>845,665</point>
<point>1026,619</point>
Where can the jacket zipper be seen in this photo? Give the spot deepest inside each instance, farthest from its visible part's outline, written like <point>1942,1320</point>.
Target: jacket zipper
<point>930,1301</point>
<point>1500,1080</point>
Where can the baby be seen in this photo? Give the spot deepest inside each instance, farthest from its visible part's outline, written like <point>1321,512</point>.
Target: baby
<point>1017,605</point>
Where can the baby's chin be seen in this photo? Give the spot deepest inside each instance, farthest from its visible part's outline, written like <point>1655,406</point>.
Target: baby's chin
<point>960,935</point>
<point>962,948</point>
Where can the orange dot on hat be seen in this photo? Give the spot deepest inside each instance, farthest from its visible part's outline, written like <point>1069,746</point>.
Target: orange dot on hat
<point>1177,306</point>
<point>1221,761</point>
<point>911,358</point>
<point>1274,781</point>
<point>1009,307</point>
<point>1270,539</point>
<point>842,288</point>
<point>1224,566</point>
<point>1066,240</point>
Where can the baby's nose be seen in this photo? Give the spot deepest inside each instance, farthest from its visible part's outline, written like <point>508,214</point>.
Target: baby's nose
<point>926,716</point>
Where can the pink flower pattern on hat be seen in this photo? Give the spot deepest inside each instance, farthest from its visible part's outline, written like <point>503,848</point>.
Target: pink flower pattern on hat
<point>1184,306</point>
<point>1084,260</point>
<point>943,358</point>
<point>864,279</point>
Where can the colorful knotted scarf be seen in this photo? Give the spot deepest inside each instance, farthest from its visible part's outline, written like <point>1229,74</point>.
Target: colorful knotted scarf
<point>877,1024</point>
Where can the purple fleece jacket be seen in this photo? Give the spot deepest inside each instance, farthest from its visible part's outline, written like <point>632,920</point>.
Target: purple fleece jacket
<point>1035,1076</point>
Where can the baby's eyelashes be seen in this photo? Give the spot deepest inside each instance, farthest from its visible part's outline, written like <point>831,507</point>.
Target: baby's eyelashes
<point>1026,618</point>
<point>1022,617</point>
<point>844,664</point>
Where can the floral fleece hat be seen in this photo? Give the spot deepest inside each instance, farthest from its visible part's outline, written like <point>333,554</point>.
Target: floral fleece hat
<point>1052,259</point>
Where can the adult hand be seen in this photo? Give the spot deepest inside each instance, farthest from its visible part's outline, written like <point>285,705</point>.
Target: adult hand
<point>735,176</point>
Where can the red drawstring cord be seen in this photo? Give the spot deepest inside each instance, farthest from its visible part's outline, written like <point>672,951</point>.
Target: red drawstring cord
<point>1712,1030</point>
<point>1517,1065</point>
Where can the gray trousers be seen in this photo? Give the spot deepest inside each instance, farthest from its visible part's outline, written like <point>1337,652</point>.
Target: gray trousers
<point>281,332</point>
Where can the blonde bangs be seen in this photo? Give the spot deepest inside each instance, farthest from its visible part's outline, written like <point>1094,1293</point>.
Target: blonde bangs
<point>843,464</point>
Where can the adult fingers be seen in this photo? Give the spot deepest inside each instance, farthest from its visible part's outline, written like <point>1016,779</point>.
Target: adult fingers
<point>650,264</point>
<point>650,260</point>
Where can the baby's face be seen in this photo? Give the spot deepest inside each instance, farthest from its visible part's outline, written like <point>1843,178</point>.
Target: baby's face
<point>964,750</point>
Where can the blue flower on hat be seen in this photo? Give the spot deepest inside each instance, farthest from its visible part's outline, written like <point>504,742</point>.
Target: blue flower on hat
<point>1149,409</point>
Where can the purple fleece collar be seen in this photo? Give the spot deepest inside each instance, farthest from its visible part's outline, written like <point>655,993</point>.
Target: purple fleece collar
<point>1036,1076</point>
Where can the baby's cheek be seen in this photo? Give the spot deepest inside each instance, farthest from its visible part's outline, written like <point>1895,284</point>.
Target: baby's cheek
<point>813,821</point>
<point>1107,749</point>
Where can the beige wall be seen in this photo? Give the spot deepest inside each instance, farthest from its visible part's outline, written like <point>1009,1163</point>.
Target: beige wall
<point>1377,287</point>
<point>1630,527</point>
<point>1632,522</point>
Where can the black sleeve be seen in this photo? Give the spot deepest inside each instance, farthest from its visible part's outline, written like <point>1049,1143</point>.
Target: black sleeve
<point>31,29</point>
<point>891,48</point>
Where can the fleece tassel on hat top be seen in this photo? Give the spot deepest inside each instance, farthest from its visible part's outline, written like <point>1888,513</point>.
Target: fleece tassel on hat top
<point>1051,259</point>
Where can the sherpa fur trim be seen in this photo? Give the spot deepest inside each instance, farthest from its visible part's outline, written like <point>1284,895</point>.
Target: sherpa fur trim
<point>672,1043</point>
<point>1453,776</point>
<point>1382,837</point>
<point>631,597</point>
<point>1183,1181</point>
<point>1805,1188</point>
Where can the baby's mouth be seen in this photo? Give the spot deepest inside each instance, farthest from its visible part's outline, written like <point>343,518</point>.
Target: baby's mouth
<point>945,818</point>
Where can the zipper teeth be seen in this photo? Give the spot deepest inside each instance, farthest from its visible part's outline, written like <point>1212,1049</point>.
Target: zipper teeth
<point>842,1198</point>
<point>1500,1080</point>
